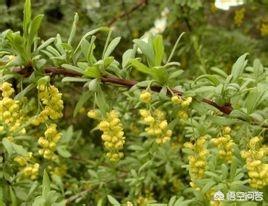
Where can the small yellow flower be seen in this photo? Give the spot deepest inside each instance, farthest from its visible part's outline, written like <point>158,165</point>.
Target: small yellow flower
<point>183,115</point>
<point>157,125</point>
<point>187,102</point>
<point>176,99</point>
<point>145,97</point>
<point>226,130</point>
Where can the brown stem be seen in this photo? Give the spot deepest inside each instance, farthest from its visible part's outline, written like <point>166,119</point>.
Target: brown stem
<point>226,109</point>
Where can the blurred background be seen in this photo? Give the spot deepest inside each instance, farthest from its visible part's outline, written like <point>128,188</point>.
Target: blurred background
<point>226,29</point>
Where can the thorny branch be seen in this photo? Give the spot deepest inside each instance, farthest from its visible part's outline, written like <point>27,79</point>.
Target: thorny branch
<point>226,109</point>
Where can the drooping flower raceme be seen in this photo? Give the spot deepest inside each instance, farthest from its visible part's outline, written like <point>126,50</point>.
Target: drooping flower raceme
<point>157,125</point>
<point>28,168</point>
<point>225,145</point>
<point>49,142</point>
<point>113,134</point>
<point>11,115</point>
<point>184,104</point>
<point>255,160</point>
<point>51,101</point>
<point>197,160</point>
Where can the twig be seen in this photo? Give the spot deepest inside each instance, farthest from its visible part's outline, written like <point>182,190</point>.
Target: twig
<point>226,108</point>
<point>74,197</point>
<point>126,13</point>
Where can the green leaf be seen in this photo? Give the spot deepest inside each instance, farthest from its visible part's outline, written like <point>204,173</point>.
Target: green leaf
<point>127,56</point>
<point>219,71</point>
<point>140,66</point>
<point>160,74</point>
<point>101,101</point>
<point>73,68</point>
<point>63,151</point>
<point>112,200</point>
<point>92,72</point>
<point>32,189</point>
<point>39,201</point>
<point>107,61</point>
<point>33,29</point>
<point>73,30</point>
<point>27,13</point>
<point>45,43</point>
<point>111,47</point>
<point>159,50</point>
<point>254,99</point>
<point>82,100</point>
<point>45,184</point>
<point>239,66</point>
<point>172,201</point>
<point>175,74</point>
<point>175,47</point>
<point>93,85</point>
<point>13,148</point>
<point>90,33</point>
<point>211,78</point>
<point>257,67</point>
<point>24,91</point>
<point>74,79</point>
<point>144,166</point>
<point>85,47</point>
<point>147,50</point>
<point>208,185</point>
<point>204,89</point>
<point>13,197</point>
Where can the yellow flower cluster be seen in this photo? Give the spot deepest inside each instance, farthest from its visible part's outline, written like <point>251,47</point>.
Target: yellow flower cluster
<point>157,125</point>
<point>93,114</point>
<point>145,97</point>
<point>113,135</point>
<point>177,100</point>
<point>52,102</point>
<point>11,115</point>
<point>239,16</point>
<point>49,142</point>
<point>197,161</point>
<point>144,200</point>
<point>28,169</point>
<point>58,171</point>
<point>225,145</point>
<point>264,29</point>
<point>257,169</point>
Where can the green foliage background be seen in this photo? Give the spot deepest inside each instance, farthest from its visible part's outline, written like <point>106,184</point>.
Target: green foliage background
<point>150,174</point>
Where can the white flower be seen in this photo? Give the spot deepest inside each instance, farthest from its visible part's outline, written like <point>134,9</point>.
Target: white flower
<point>165,12</point>
<point>92,4</point>
<point>226,4</point>
<point>160,25</point>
